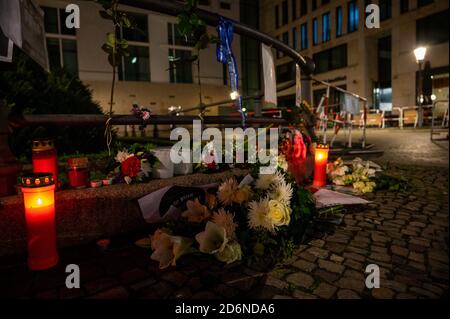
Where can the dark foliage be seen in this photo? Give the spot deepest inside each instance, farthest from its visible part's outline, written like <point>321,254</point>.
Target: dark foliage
<point>28,89</point>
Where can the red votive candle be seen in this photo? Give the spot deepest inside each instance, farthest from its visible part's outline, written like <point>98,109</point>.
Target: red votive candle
<point>78,172</point>
<point>320,165</point>
<point>39,200</point>
<point>44,158</point>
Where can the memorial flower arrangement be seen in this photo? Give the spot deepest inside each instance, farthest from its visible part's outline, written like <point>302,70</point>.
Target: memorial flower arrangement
<point>258,219</point>
<point>358,173</point>
<point>133,165</point>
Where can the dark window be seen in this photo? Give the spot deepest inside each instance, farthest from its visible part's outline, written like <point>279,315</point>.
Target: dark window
<point>433,29</point>
<point>304,36</point>
<point>51,20</point>
<point>285,72</point>
<point>225,5</point>
<point>385,9</point>
<point>175,37</point>
<point>277,17</point>
<point>62,51</point>
<point>315,31</point>
<point>180,66</point>
<point>285,38</point>
<point>331,59</point>
<point>353,16</point>
<point>326,27</point>
<point>422,3</point>
<point>404,6</point>
<point>338,22</point>
<point>294,10</point>
<point>140,32</point>
<point>284,13</point>
<point>314,5</point>
<point>324,2</point>
<point>279,53</point>
<point>303,7</point>
<point>204,2</point>
<point>135,67</point>
<point>294,38</point>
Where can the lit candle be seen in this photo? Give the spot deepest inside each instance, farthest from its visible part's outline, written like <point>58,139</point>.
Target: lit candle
<point>320,165</point>
<point>44,158</point>
<point>39,200</point>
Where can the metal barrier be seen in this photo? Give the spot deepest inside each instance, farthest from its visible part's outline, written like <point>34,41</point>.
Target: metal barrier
<point>444,124</point>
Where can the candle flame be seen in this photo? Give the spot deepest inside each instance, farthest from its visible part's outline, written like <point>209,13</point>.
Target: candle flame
<point>39,201</point>
<point>319,156</point>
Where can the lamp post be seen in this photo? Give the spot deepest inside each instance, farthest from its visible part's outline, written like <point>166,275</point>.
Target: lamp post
<point>420,53</point>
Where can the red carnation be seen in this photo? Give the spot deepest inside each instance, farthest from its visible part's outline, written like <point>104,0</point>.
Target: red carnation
<point>131,166</point>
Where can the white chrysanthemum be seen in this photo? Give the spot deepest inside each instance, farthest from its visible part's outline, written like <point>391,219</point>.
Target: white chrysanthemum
<point>257,215</point>
<point>122,156</point>
<point>226,220</point>
<point>227,190</point>
<point>282,162</point>
<point>265,181</point>
<point>282,192</point>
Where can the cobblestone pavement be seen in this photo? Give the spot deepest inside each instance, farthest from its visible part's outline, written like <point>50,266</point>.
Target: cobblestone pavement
<point>405,234</point>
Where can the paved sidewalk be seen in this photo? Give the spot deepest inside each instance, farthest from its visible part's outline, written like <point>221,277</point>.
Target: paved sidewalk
<point>405,234</point>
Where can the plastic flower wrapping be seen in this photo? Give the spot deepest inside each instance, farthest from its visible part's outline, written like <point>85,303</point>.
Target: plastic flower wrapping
<point>256,219</point>
<point>357,173</point>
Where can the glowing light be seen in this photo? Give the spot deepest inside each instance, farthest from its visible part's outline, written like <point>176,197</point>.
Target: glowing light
<point>433,97</point>
<point>134,60</point>
<point>234,95</point>
<point>420,53</point>
<point>39,201</point>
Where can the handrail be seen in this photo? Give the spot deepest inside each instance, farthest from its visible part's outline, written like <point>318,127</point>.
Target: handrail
<point>174,8</point>
<point>18,121</point>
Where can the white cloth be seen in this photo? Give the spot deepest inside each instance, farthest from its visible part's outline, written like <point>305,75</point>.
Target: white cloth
<point>351,104</point>
<point>327,198</point>
<point>270,83</point>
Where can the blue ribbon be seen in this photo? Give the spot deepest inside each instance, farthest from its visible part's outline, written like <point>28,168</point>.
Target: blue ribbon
<point>225,30</point>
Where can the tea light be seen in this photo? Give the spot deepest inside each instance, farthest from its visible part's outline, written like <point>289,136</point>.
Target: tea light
<point>320,165</point>
<point>78,172</point>
<point>44,158</point>
<point>39,202</point>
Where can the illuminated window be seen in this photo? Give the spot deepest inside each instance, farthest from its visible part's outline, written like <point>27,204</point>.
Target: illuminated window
<point>315,31</point>
<point>353,16</point>
<point>326,27</point>
<point>338,22</point>
<point>304,36</point>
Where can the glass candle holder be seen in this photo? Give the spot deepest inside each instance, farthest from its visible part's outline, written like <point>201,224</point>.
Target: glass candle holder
<point>44,158</point>
<point>39,201</point>
<point>78,172</point>
<point>320,165</point>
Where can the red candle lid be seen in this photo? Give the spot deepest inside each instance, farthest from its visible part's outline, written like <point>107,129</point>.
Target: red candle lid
<point>322,146</point>
<point>78,162</point>
<point>36,180</point>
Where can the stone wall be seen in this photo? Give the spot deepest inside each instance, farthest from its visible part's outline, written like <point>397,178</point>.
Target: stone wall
<point>89,214</point>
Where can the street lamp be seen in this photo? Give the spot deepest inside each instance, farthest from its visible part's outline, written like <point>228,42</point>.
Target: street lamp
<point>420,53</point>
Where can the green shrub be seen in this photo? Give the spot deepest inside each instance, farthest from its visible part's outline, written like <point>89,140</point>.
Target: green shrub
<point>29,89</point>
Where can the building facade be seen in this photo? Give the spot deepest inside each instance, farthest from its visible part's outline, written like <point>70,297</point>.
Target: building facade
<point>376,63</point>
<point>147,76</point>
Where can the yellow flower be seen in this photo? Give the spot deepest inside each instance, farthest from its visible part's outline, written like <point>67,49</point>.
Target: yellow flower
<point>196,212</point>
<point>279,213</point>
<point>227,190</point>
